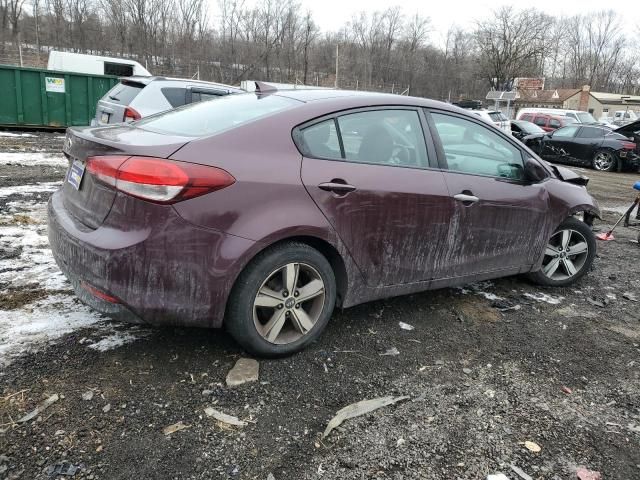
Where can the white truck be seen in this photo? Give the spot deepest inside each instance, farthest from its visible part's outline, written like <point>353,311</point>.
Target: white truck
<point>94,64</point>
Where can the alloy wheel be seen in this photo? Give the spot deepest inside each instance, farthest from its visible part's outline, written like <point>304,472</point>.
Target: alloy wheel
<point>565,255</point>
<point>289,303</point>
<point>603,161</point>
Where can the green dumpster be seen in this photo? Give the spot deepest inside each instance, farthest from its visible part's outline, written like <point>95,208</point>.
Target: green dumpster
<point>33,97</point>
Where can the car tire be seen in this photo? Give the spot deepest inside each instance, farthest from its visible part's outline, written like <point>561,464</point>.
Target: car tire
<point>604,161</point>
<point>267,319</point>
<point>568,255</point>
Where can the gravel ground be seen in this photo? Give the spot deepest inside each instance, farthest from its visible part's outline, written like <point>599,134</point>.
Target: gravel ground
<point>562,371</point>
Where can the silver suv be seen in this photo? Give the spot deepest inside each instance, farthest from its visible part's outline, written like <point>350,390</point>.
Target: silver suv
<point>137,97</point>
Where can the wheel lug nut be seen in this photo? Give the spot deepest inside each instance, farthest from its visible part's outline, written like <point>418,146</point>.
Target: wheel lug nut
<point>280,306</point>
<point>297,305</point>
<point>285,293</point>
<point>296,293</point>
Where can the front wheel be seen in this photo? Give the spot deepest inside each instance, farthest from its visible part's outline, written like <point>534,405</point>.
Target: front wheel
<point>568,255</point>
<point>604,161</point>
<point>282,300</point>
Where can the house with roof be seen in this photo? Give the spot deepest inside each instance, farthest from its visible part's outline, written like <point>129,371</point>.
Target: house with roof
<point>596,103</point>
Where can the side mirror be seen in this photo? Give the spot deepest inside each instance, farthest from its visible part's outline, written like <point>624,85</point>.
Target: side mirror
<point>533,171</point>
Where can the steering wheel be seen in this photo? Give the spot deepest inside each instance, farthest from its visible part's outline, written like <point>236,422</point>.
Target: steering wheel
<point>401,155</point>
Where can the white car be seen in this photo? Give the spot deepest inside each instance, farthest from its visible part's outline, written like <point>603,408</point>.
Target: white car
<point>496,118</point>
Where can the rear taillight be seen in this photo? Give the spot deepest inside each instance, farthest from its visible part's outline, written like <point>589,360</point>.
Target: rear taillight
<point>130,115</point>
<point>628,145</point>
<point>158,179</point>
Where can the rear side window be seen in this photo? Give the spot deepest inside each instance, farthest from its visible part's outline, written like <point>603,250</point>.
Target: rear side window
<point>591,132</point>
<point>321,140</point>
<point>175,96</point>
<point>118,69</point>
<point>202,96</point>
<point>527,116</point>
<point>498,117</point>
<point>209,118</point>
<point>384,137</point>
<point>124,92</point>
<point>540,121</point>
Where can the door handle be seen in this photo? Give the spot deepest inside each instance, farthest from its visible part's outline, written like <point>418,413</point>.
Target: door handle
<point>466,199</point>
<point>339,187</point>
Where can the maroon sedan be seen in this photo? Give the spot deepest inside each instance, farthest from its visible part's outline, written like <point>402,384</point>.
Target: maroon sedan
<point>261,212</point>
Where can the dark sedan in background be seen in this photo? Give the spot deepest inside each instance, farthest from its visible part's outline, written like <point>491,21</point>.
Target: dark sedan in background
<point>589,145</point>
<point>522,128</point>
<point>264,211</point>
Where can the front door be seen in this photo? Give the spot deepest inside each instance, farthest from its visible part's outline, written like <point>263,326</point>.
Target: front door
<point>558,147</point>
<point>377,183</point>
<point>500,219</point>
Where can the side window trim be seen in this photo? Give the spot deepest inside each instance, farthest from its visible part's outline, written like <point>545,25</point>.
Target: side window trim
<point>442,158</point>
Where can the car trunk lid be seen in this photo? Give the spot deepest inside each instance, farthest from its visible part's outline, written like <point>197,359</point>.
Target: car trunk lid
<point>88,200</point>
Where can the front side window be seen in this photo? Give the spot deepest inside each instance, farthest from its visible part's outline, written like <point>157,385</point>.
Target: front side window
<point>321,140</point>
<point>475,149</point>
<point>565,132</point>
<point>553,123</point>
<point>384,137</point>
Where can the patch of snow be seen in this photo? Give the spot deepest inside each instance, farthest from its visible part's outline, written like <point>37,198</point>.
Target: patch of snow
<point>114,341</point>
<point>543,297</point>
<point>31,159</point>
<point>35,263</point>
<point>29,189</point>
<point>9,134</point>
<point>480,289</point>
<point>37,324</point>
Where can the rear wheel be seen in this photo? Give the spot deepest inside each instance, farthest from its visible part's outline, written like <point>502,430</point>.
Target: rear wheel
<point>604,161</point>
<point>568,255</point>
<point>282,301</point>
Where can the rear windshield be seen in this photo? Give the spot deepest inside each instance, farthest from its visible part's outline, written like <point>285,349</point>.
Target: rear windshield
<point>209,118</point>
<point>498,116</point>
<point>585,117</point>
<point>124,93</point>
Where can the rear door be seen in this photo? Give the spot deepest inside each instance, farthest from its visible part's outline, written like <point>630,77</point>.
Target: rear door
<point>376,180</point>
<point>500,219</point>
<point>585,144</point>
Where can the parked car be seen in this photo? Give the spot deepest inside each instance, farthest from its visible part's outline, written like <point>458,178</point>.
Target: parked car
<point>577,115</point>
<point>137,97</point>
<point>623,117</point>
<point>546,121</point>
<point>522,128</point>
<point>632,132</point>
<point>263,212</point>
<point>588,145</point>
<point>494,117</point>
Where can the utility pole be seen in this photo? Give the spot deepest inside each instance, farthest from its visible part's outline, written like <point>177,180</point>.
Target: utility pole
<point>337,56</point>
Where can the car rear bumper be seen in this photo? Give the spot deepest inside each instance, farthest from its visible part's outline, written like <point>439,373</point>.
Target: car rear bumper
<point>157,267</point>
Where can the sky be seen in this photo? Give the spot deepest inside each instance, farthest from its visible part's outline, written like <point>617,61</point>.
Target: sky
<point>330,15</point>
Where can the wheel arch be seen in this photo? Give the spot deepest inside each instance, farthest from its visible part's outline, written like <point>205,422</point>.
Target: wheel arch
<point>329,251</point>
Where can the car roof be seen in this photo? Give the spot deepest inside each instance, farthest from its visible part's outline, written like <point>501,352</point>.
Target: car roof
<point>147,80</point>
<point>374,98</point>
